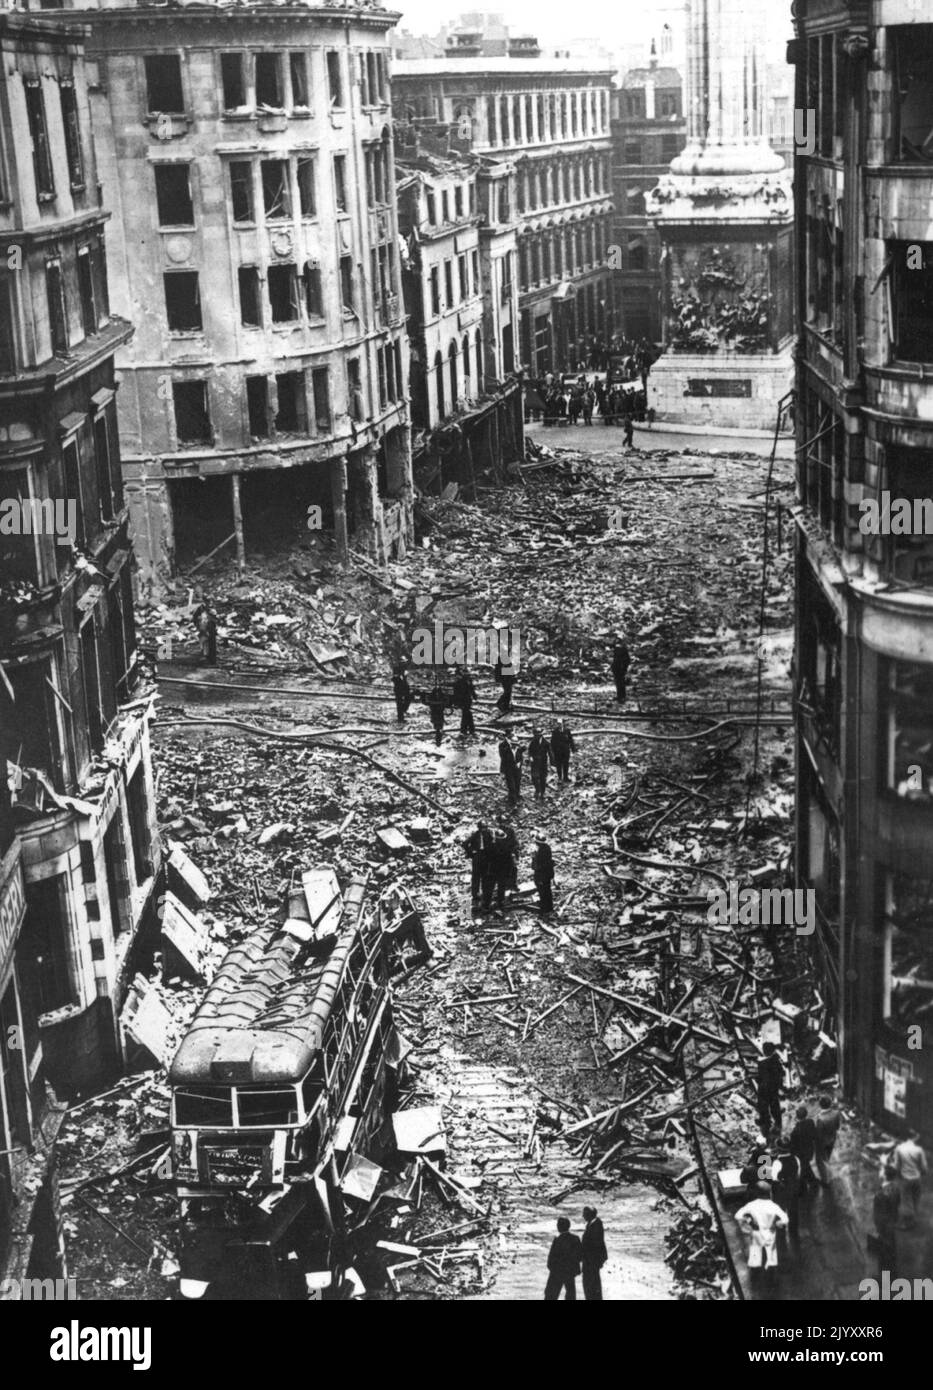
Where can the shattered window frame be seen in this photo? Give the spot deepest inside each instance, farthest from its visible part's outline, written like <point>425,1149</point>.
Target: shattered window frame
<point>268,80</point>
<point>242,192</point>
<point>907,936</point>
<point>233,80</point>
<point>275,179</point>
<point>282,292</point>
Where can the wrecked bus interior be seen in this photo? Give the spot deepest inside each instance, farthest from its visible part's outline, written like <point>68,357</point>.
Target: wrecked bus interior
<point>285,1077</point>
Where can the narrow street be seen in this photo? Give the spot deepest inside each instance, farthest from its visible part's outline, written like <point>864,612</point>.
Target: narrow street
<point>247,797</point>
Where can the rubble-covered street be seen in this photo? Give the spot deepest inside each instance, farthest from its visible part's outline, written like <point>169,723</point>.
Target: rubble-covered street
<point>556,1047</point>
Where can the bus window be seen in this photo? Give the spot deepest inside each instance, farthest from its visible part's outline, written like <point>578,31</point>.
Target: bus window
<point>267,1107</point>
<point>203,1106</point>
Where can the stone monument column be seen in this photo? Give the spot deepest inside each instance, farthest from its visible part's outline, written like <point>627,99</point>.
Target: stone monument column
<point>724,216</point>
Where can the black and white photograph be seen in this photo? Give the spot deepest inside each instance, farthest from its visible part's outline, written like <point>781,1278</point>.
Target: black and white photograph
<point>466,668</point>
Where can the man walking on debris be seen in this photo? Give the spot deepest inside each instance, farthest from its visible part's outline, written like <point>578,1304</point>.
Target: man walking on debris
<point>511,851</point>
<point>206,623</point>
<point>562,745</point>
<point>436,702</point>
<point>507,681</point>
<point>828,1123</point>
<point>620,664</point>
<point>402,692</point>
<point>499,870</point>
<point>542,866</point>
<point>910,1164</point>
<point>595,1255</point>
<point>886,1209</point>
<point>477,847</point>
<point>769,1079</point>
<point>464,694</point>
<point>539,754</point>
<point>803,1146</point>
<point>510,765</point>
<point>563,1263</point>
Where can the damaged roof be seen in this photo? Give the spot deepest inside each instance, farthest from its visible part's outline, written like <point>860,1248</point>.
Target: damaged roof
<point>263,1017</point>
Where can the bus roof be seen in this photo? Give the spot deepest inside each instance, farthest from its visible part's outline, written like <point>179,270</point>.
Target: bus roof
<point>262,1019</point>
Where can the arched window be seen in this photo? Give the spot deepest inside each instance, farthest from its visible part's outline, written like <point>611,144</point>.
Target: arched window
<point>466,358</point>
<point>452,360</point>
<point>439,384</point>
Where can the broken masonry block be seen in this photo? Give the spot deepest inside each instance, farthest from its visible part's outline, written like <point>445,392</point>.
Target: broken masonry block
<point>392,841</point>
<point>420,830</point>
<point>184,939</point>
<point>186,879</point>
<point>146,1022</point>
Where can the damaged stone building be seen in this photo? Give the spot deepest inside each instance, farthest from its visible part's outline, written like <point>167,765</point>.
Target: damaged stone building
<point>78,849</point>
<point>247,155</point>
<point>864,673</point>
<point>550,118</point>
<point>456,215</point>
<point>648,131</point>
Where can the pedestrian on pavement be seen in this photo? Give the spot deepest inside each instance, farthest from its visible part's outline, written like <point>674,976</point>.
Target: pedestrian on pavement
<point>620,664</point>
<point>436,702</point>
<point>477,848</point>
<point>205,621</point>
<point>802,1144</point>
<point>562,745</point>
<point>510,765</point>
<point>507,680</point>
<point>589,400</point>
<point>769,1080</point>
<point>595,1255</point>
<point>402,692</point>
<point>539,755</point>
<point>910,1165</point>
<point>464,694</point>
<point>762,1218</point>
<point>542,867</point>
<point>501,865</point>
<point>563,1262</point>
<point>785,1189</point>
<point>828,1122</point>
<point>628,423</point>
<point>886,1209</point>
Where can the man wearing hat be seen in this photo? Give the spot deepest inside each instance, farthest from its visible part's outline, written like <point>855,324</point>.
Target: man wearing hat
<point>542,865</point>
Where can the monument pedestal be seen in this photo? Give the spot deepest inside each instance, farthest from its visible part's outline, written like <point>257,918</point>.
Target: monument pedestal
<point>725,390</point>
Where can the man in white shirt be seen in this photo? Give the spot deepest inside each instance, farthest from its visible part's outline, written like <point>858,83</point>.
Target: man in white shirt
<point>762,1219</point>
<point>910,1164</point>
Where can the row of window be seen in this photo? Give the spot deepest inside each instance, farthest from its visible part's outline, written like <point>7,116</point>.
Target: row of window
<point>666,104</point>
<point>40,137</point>
<point>562,253</point>
<point>462,199</point>
<point>653,151</point>
<point>81,277</point>
<point>534,118</point>
<point>553,182</point>
<point>457,290</point>
<point>448,377</point>
<point>294,402</point>
<point>273,80</point>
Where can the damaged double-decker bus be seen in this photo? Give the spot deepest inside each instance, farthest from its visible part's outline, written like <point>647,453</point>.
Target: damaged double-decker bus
<point>284,1081</point>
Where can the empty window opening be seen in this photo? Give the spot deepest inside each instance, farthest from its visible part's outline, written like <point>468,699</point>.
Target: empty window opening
<point>346,283</point>
<point>250,304</point>
<point>233,80</point>
<point>449,283</point>
<point>269,80</point>
<point>192,417</point>
<point>292,417</point>
<point>435,291</point>
<point>913,48</point>
<point>58,319</point>
<point>41,154</point>
<point>355,401</point>
<point>163,84</point>
<point>298,70</point>
<point>44,945</point>
<point>275,191</point>
<point>373,78</point>
<point>912,299</point>
<point>462,273</point>
<point>173,195</point>
<point>284,304</point>
<point>103,467</point>
<point>320,390</point>
<point>241,190</point>
<point>340,182</point>
<point>306,198</point>
<point>257,406</point>
<point>182,301</point>
<point>314,293</point>
<point>202,515</point>
<point>86,290</point>
<point>72,134</point>
<point>334,79</point>
<point>140,836</point>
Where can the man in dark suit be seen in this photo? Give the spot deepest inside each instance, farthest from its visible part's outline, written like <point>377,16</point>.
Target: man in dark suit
<point>802,1145</point>
<point>770,1079</point>
<point>563,1263</point>
<point>595,1256</point>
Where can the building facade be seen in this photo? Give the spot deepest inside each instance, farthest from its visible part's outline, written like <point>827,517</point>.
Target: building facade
<point>724,215</point>
<point>648,131</point>
<point>456,215</point>
<point>247,156</point>
<point>864,601</point>
<point>550,119</point>
<point>78,849</point>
